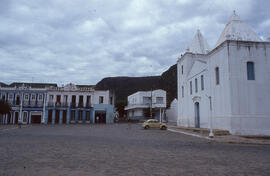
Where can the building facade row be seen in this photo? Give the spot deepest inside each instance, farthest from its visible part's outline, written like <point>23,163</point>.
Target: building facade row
<point>50,104</point>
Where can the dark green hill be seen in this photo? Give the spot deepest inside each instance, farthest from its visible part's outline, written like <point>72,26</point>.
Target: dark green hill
<point>124,86</point>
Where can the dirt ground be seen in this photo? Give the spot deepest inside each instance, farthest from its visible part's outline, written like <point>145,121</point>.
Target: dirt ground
<point>122,149</point>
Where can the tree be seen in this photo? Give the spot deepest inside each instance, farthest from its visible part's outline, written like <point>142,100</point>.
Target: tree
<point>4,107</point>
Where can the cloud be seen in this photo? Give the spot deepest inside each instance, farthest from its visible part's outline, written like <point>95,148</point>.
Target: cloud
<point>83,41</point>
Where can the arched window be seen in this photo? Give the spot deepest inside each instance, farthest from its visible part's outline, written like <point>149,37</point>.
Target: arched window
<point>250,71</point>
<point>217,75</point>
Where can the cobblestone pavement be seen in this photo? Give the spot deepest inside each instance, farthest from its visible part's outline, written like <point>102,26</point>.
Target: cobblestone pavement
<point>122,149</point>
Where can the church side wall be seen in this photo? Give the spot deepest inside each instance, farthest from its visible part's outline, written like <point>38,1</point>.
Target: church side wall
<point>220,93</point>
<point>250,98</point>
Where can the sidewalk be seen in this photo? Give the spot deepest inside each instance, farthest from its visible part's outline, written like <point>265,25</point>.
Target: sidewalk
<point>10,127</point>
<point>221,136</point>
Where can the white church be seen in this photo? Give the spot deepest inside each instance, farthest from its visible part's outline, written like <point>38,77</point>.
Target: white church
<point>227,87</point>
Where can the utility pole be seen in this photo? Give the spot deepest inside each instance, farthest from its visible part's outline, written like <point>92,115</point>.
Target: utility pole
<point>211,135</point>
<point>151,104</point>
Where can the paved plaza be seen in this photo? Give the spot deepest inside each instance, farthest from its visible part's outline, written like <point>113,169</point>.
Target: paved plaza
<point>122,149</point>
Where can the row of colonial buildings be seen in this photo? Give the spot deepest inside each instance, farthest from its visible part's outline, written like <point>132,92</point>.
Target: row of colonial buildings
<point>50,104</point>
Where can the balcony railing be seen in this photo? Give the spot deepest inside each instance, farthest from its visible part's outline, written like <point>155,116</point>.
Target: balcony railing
<point>58,104</point>
<point>51,104</point>
<point>64,104</point>
<point>80,105</point>
<point>88,105</point>
<point>72,104</point>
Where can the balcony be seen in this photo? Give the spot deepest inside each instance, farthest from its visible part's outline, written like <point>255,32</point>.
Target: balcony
<point>25,103</point>
<point>88,105</point>
<point>80,105</point>
<point>40,103</point>
<point>64,104</point>
<point>73,104</point>
<point>58,104</point>
<point>32,103</point>
<point>51,104</point>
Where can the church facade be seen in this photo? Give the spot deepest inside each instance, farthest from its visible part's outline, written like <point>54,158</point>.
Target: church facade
<point>227,87</point>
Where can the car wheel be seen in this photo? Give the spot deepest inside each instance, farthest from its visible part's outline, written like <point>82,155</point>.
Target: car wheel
<point>163,128</point>
<point>146,127</point>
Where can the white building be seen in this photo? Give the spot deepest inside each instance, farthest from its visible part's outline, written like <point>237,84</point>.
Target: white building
<point>171,113</point>
<point>141,103</point>
<point>235,75</point>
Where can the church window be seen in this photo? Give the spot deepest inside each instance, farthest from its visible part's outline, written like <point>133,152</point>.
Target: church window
<point>250,71</point>
<point>183,91</point>
<point>190,85</point>
<point>196,85</point>
<point>202,82</point>
<point>182,69</point>
<point>217,75</point>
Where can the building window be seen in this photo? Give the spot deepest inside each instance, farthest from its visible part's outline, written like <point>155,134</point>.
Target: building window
<point>159,100</point>
<point>101,99</point>
<point>26,97</point>
<point>196,85</point>
<point>182,69</point>
<point>250,71</point>
<point>25,116</point>
<point>72,116</point>
<point>80,115</point>
<point>87,116</point>
<point>202,82</point>
<point>33,97</point>
<point>183,91</point>
<point>3,96</point>
<point>111,100</point>
<point>40,97</point>
<point>88,101</point>
<point>146,100</point>
<point>217,75</point>
<point>190,86</point>
<point>10,96</point>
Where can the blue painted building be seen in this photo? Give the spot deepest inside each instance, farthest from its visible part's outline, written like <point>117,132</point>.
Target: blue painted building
<point>49,104</point>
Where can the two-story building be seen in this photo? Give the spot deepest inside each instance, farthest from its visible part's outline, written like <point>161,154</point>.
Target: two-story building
<point>50,104</point>
<point>144,103</point>
<point>27,101</point>
<point>78,104</point>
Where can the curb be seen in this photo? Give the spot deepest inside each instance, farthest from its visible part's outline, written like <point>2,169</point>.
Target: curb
<point>190,134</point>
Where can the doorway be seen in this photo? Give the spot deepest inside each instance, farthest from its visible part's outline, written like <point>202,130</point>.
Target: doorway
<point>16,117</point>
<point>197,115</point>
<point>57,117</point>
<point>50,116</point>
<point>100,117</point>
<point>64,121</point>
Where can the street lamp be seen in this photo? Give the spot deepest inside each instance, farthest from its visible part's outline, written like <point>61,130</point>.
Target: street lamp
<point>211,135</point>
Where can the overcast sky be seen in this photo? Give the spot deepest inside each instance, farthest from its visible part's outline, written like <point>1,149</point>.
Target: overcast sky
<point>84,41</point>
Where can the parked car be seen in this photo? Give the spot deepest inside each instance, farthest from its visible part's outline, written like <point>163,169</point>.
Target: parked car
<point>153,123</point>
